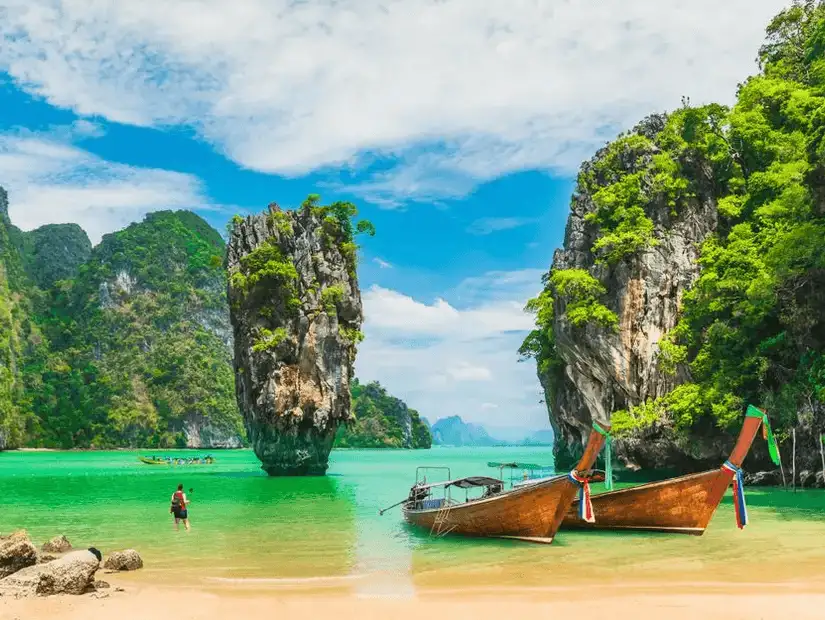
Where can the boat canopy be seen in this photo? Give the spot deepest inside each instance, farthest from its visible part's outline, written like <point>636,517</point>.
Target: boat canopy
<point>465,483</point>
<point>530,466</point>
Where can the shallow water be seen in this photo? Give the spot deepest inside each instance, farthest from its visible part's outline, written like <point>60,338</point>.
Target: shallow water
<point>253,531</point>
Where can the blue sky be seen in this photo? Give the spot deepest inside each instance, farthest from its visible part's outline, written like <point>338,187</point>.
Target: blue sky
<point>462,151</point>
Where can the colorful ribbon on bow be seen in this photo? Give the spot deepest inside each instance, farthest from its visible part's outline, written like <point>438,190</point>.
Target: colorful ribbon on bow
<point>767,433</point>
<point>738,494</point>
<point>585,505</point>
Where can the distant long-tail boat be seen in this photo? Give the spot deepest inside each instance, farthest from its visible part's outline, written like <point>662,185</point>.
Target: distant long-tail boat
<point>684,504</point>
<point>177,460</point>
<point>531,512</point>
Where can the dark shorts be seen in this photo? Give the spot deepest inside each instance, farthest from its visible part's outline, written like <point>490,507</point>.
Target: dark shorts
<point>179,514</point>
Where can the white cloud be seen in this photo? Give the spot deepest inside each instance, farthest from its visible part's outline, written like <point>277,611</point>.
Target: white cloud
<point>451,92</point>
<point>382,263</point>
<point>490,225</point>
<point>468,372</point>
<point>394,312</point>
<point>456,360</point>
<point>49,180</point>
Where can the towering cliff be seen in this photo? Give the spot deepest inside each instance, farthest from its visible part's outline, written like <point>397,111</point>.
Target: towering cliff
<point>125,345</point>
<point>15,329</point>
<point>616,286</point>
<point>692,276</point>
<point>296,315</point>
<point>141,342</point>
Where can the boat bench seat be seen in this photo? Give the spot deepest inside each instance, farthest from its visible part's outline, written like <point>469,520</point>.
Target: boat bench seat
<point>429,504</point>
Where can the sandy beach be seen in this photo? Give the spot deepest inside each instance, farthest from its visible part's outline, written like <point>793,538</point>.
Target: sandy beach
<point>642,602</point>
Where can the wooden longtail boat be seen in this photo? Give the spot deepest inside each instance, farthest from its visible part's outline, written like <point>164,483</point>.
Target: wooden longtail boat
<point>681,505</point>
<point>531,512</point>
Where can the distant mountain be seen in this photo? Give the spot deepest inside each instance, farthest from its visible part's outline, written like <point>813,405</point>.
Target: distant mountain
<point>453,431</point>
<point>539,438</point>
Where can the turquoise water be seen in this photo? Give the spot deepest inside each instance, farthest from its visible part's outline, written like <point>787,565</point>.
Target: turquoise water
<point>250,529</point>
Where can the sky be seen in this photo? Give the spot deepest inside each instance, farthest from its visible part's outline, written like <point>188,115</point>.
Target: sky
<point>456,126</point>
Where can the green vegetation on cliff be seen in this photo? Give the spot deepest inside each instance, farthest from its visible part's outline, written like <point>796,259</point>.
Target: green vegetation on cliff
<point>340,226</point>
<point>382,421</point>
<point>20,340</point>
<point>752,328</point>
<point>140,338</point>
<point>125,345</point>
<point>53,252</point>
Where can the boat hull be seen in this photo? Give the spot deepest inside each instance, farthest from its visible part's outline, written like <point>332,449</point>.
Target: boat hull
<point>679,505</point>
<point>531,512</point>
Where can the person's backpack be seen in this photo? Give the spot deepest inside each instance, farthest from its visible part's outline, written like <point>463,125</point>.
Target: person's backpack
<point>176,501</point>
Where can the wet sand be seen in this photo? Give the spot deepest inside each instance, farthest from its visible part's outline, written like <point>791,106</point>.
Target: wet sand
<point>638,602</point>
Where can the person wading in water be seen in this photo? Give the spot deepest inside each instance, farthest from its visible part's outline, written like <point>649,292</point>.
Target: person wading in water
<point>179,503</point>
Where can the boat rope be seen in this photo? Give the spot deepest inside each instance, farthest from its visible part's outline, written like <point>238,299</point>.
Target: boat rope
<point>767,433</point>
<point>608,459</point>
<point>585,505</point>
<point>738,493</point>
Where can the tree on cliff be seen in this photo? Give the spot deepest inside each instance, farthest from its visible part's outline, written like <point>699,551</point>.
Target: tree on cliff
<point>748,185</point>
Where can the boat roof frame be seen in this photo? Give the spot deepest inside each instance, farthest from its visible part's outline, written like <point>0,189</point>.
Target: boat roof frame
<point>467,482</point>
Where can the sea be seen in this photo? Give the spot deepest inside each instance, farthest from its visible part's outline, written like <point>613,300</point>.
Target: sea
<point>252,531</point>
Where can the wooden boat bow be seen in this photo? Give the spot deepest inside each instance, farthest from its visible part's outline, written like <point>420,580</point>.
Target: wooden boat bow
<point>684,504</point>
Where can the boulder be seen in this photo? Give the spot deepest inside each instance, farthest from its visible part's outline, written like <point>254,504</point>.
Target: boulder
<point>43,558</point>
<point>101,585</point>
<point>74,573</point>
<point>58,544</point>
<point>123,560</point>
<point>16,552</point>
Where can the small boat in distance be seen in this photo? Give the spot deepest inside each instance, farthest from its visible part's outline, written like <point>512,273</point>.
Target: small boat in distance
<point>173,460</point>
<point>684,504</point>
<point>530,512</point>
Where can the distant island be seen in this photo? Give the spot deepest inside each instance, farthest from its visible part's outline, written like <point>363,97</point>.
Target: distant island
<point>453,431</point>
<point>382,421</point>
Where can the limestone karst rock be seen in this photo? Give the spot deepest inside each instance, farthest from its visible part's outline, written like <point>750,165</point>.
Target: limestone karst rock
<point>296,314</point>
<point>602,370</point>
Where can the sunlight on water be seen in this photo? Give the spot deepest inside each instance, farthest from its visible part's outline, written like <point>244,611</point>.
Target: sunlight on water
<point>252,530</point>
